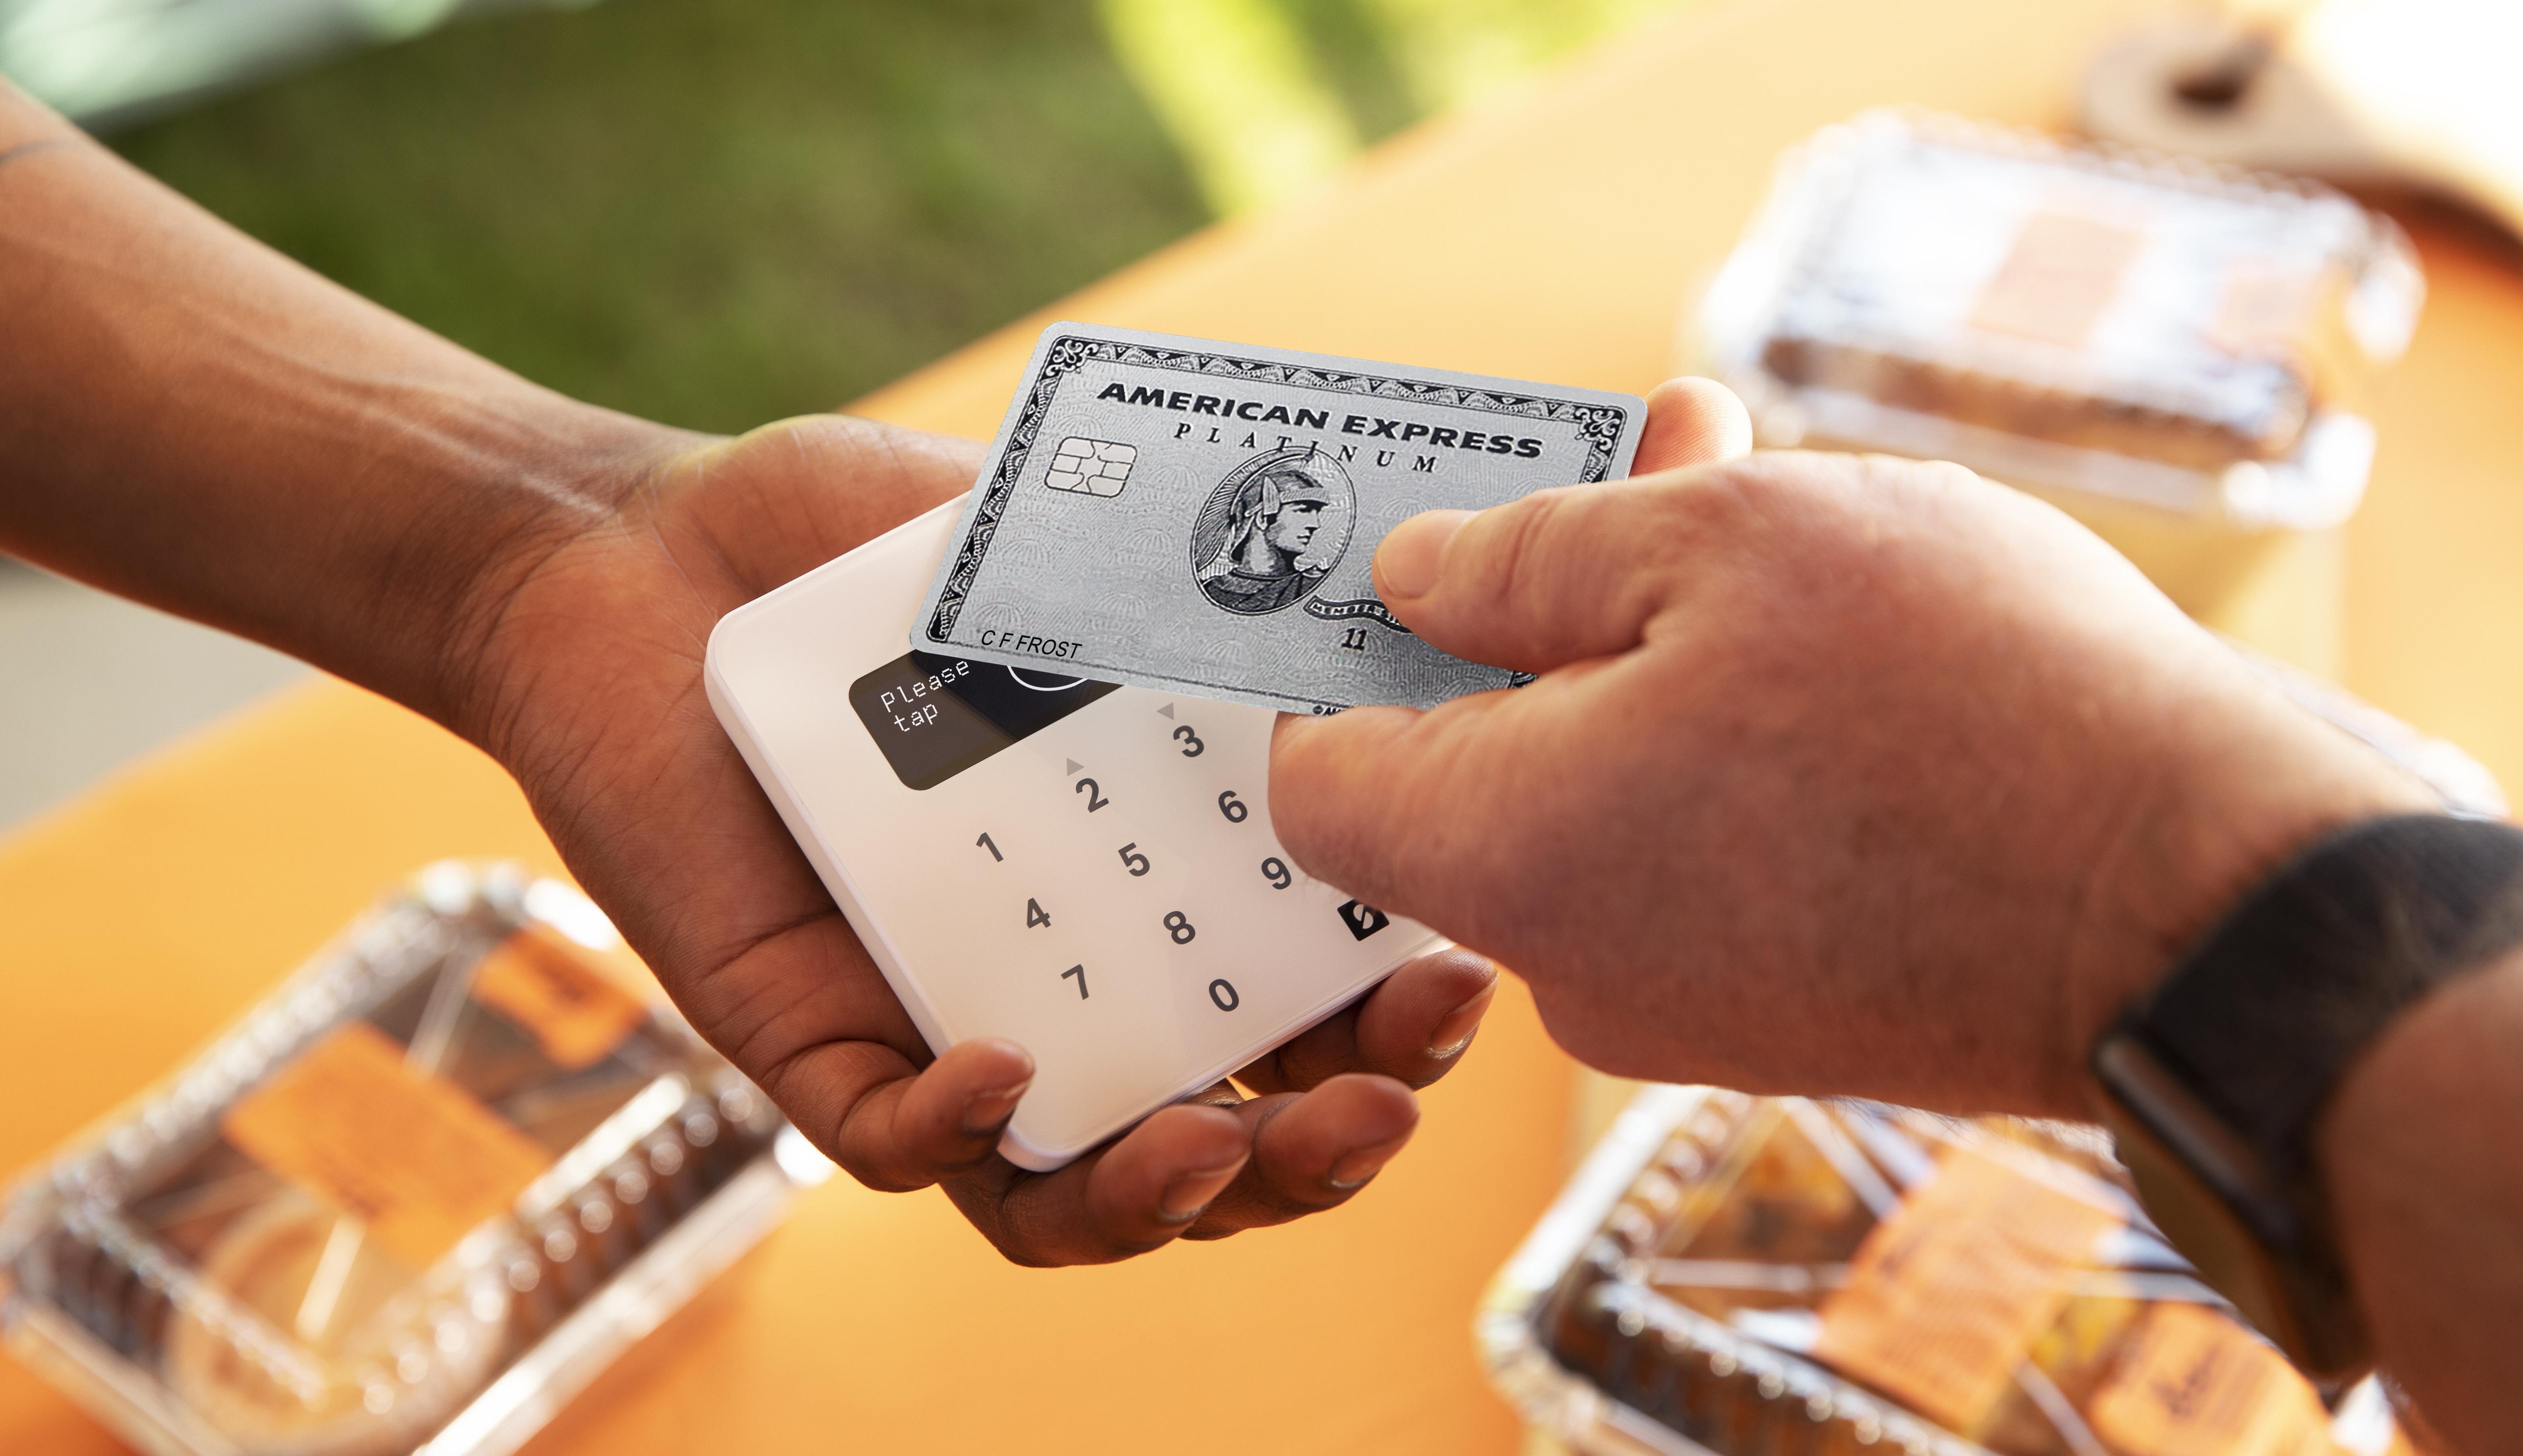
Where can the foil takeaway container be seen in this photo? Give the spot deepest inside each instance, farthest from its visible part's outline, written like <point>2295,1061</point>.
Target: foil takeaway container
<point>413,1202</point>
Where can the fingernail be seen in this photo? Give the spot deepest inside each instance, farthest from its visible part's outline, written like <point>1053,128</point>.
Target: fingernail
<point>1354,1169</point>
<point>1460,1025</point>
<point>1405,564</point>
<point>987,1111</point>
<point>1190,1192</point>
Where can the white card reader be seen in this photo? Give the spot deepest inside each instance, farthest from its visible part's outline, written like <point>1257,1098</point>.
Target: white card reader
<point>1085,870</point>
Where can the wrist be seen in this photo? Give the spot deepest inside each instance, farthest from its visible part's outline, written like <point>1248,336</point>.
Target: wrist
<point>555,477</point>
<point>2218,1080</point>
<point>2253,781</point>
<point>247,445</point>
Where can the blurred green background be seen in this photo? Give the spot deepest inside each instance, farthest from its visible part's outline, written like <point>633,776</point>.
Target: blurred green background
<point>719,212</point>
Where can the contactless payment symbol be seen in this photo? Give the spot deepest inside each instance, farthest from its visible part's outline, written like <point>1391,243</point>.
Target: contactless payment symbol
<point>1363,920</point>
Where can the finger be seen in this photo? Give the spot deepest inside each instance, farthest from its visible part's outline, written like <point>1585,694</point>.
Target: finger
<point>1121,1199</point>
<point>1556,577</point>
<point>892,1127</point>
<point>1541,581</point>
<point>1340,784</point>
<point>1412,1027</point>
<point>1416,1028</point>
<point>1373,800</point>
<point>804,1014</point>
<point>1312,1151</point>
<point>1690,422</point>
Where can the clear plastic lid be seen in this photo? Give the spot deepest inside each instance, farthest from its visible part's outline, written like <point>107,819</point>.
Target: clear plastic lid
<point>412,1200</point>
<point>1748,1276</point>
<point>2058,316</point>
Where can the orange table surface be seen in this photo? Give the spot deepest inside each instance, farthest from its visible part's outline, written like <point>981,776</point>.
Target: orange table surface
<point>1552,236</point>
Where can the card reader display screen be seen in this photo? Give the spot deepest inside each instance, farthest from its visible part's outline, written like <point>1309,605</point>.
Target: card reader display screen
<point>934,716</point>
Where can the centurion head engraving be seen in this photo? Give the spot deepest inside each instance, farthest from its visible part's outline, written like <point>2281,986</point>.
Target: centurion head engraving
<point>1273,530</point>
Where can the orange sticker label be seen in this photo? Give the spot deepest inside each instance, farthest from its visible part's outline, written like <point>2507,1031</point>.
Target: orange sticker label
<point>412,1155</point>
<point>1945,1296</point>
<point>2266,312</point>
<point>563,1000</point>
<point>2058,279</point>
<point>2193,1383</point>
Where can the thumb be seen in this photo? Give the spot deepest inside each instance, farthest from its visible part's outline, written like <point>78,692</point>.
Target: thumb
<point>1560,575</point>
<point>1690,422</point>
<point>1546,580</point>
<point>1362,798</point>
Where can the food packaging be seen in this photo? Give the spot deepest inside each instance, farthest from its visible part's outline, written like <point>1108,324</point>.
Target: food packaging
<point>412,1202</point>
<point>2063,317</point>
<point>1753,1275</point>
<point>2182,355</point>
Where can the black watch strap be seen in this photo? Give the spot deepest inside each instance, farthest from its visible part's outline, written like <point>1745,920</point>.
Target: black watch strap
<point>2226,1066</point>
